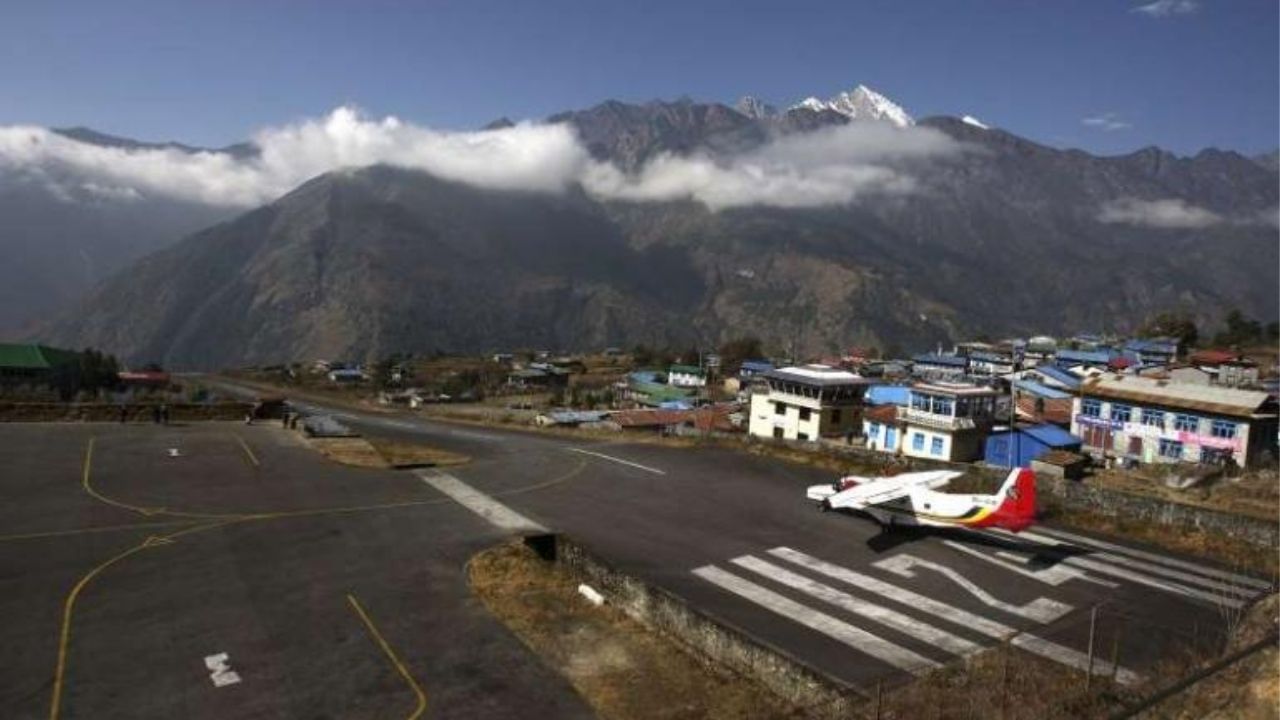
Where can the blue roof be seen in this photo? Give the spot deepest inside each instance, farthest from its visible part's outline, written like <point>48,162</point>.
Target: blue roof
<point>644,376</point>
<point>888,395</point>
<point>567,417</point>
<point>1157,345</point>
<point>1041,390</point>
<point>1047,434</point>
<point>1057,373</point>
<point>991,357</point>
<point>1098,357</point>
<point>757,366</point>
<point>935,359</point>
<point>1051,435</point>
<point>675,405</point>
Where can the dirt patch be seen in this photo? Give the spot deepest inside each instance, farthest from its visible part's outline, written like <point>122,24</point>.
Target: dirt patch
<point>622,669</point>
<point>1255,493</point>
<point>406,454</point>
<point>353,451</point>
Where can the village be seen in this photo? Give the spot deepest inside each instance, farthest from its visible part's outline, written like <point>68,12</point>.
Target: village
<point>1058,406</point>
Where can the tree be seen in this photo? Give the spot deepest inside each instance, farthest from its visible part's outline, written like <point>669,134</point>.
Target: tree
<point>1177,324</point>
<point>734,351</point>
<point>1240,330</point>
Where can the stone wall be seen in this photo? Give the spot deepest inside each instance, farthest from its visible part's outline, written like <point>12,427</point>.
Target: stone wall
<point>818,694</point>
<point>1114,503</point>
<point>110,412</point>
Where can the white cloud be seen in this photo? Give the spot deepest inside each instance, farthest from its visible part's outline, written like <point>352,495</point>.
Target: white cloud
<point>535,157</point>
<point>1167,8</point>
<point>829,166</point>
<point>1168,214</point>
<point>1106,121</point>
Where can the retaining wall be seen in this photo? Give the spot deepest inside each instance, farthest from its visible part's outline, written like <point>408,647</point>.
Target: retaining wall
<point>821,696</point>
<point>110,412</point>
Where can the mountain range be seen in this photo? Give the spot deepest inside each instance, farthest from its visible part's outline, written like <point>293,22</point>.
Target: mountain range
<point>1008,236</point>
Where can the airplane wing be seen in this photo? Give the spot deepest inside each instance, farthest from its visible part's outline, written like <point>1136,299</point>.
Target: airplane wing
<point>888,489</point>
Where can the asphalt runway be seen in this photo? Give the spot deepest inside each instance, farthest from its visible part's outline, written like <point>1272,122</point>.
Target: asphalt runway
<point>334,592</point>
<point>253,546</point>
<point>733,534</point>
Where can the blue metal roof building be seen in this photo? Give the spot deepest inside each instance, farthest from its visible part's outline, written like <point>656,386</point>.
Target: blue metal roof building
<point>1031,387</point>
<point>1097,358</point>
<point>1027,444</point>
<point>954,361</point>
<point>1058,375</point>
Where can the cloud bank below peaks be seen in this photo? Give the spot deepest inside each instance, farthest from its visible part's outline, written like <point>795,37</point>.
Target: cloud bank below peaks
<point>829,166</point>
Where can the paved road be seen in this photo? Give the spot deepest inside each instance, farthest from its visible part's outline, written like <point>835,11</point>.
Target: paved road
<point>252,546</point>
<point>731,533</point>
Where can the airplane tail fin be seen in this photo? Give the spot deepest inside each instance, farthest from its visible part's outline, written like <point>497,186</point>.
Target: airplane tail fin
<point>1017,498</point>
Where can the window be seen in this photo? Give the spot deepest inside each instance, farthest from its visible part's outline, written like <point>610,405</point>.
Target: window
<point>943,405</point>
<point>802,436</point>
<point>935,447</point>
<point>873,430</point>
<point>777,433</point>
<point>917,441</point>
<point>804,413</point>
<point>1223,429</point>
<point>1090,407</point>
<point>1186,423</point>
<point>1121,413</point>
<point>779,408</point>
<point>1154,418</point>
<point>919,402</point>
<point>835,416</point>
<point>1170,449</point>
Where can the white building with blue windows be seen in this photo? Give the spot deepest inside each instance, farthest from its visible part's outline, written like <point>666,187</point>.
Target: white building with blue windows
<point>1150,420</point>
<point>940,421</point>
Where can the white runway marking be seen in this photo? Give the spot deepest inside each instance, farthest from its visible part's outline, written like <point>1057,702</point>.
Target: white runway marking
<point>1153,557</point>
<point>1052,575</point>
<point>1105,563</point>
<point>220,670</point>
<point>839,630</point>
<point>1042,609</point>
<point>646,468</point>
<point>1083,576</point>
<point>883,615</point>
<point>964,618</point>
<point>479,503</point>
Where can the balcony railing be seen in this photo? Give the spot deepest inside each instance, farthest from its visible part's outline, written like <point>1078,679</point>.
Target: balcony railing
<point>940,422</point>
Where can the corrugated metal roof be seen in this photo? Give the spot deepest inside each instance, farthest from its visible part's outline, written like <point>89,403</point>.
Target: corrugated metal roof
<point>1099,357</point>
<point>935,359</point>
<point>1052,435</point>
<point>1041,390</point>
<point>33,357</point>
<point>1058,374</point>
<point>1188,396</point>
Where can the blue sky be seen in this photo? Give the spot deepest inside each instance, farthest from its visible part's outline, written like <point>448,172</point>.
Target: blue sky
<point>1185,74</point>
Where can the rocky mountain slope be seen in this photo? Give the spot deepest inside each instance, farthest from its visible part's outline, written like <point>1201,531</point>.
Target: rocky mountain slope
<point>1010,237</point>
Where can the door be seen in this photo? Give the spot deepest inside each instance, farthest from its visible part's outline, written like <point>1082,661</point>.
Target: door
<point>890,438</point>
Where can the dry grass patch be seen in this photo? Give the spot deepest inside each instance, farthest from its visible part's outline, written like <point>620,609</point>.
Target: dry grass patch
<point>621,668</point>
<point>407,454</point>
<point>354,451</point>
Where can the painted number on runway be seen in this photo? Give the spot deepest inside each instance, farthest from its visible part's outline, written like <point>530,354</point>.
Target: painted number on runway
<point>220,670</point>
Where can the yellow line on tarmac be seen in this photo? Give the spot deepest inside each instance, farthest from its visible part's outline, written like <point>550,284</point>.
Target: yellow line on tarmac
<point>91,529</point>
<point>68,605</point>
<point>252,458</point>
<point>87,483</point>
<point>391,655</point>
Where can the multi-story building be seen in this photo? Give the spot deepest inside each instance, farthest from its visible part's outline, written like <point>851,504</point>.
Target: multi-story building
<point>807,402</point>
<point>945,421</point>
<point>1160,421</point>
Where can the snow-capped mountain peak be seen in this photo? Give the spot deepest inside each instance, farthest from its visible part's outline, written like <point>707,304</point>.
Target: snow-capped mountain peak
<point>971,120</point>
<point>860,103</point>
<point>755,108</point>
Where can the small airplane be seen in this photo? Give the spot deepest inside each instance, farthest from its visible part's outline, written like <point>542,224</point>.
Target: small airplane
<point>913,499</point>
